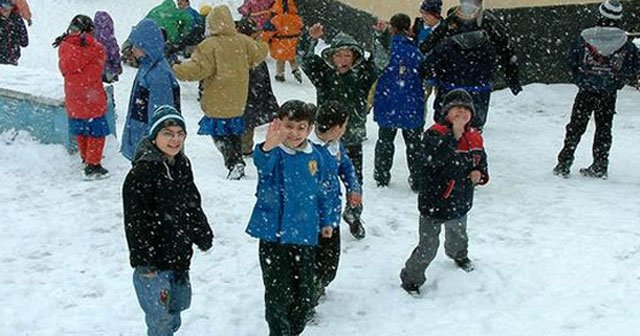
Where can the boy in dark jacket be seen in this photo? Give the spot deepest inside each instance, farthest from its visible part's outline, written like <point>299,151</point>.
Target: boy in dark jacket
<point>399,103</point>
<point>291,211</point>
<point>341,74</point>
<point>602,62</point>
<point>331,123</point>
<point>163,219</point>
<point>462,53</point>
<point>13,34</point>
<point>453,163</point>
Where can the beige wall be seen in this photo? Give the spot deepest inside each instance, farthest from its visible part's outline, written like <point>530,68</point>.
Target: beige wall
<point>386,8</point>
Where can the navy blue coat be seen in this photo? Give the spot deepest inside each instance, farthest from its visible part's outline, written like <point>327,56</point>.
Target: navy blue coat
<point>603,59</point>
<point>399,97</point>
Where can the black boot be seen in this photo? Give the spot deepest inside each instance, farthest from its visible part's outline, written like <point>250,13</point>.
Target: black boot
<point>561,170</point>
<point>594,172</point>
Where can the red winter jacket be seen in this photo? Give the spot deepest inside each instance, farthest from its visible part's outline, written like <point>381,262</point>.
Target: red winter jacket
<point>81,61</point>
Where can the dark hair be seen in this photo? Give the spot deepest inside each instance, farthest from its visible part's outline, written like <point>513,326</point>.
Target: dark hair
<point>331,114</point>
<point>79,24</point>
<point>246,26</point>
<point>401,22</point>
<point>297,110</point>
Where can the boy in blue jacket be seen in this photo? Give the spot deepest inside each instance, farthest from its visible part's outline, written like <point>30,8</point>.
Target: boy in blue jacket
<point>453,162</point>
<point>292,209</point>
<point>155,84</point>
<point>602,61</point>
<point>399,103</point>
<point>331,123</point>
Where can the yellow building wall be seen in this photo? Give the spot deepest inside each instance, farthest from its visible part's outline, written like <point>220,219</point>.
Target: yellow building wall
<point>386,8</point>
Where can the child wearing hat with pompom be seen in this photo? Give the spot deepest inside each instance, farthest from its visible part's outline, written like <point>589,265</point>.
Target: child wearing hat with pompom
<point>163,219</point>
<point>453,162</point>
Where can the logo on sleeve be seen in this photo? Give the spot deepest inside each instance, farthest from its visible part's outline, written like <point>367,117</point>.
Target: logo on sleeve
<point>313,167</point>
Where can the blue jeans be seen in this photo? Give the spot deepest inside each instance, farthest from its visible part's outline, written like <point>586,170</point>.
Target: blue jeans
<point>162,296</point>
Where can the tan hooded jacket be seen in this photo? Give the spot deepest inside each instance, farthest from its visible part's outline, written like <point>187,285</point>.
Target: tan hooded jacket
<point>222,61</point>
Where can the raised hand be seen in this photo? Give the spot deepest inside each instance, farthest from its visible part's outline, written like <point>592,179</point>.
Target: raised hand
<point>381,25</point>
<point>276,134</point>
<point>316,31</point>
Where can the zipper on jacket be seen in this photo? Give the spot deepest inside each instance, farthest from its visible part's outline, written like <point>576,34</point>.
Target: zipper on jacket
<point>449,189</point>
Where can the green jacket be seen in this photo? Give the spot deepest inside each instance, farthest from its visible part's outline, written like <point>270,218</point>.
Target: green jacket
<point>176,22</point>
<point>350,89</point>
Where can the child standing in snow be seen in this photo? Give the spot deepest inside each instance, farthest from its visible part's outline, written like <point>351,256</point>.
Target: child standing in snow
<point>262,105</point>
<point>453,163</point>
<point>105,34</point>
<point>163,219</point>
<point>282,33</point>
<point>399,103</point>
<point>13,34</point>
<point>222,61</point>
<point>154,85</point>
<point>331,123</point>
<point>81,62</point>
<point>342,74</point>
<point>291,210</point>
<point>602,62</point>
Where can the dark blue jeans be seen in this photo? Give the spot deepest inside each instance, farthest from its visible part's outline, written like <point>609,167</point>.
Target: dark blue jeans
<point>162,296</point>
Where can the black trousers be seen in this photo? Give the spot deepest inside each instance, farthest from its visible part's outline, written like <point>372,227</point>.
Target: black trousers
<point>231,148</point>
<point>288,276</point>
<point>327,259</point>
<point>354,152</point>
<point>385,150</point>
<point>602,104</point>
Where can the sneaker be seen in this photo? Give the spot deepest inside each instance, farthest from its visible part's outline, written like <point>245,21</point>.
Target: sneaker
<point>465,264</point>
<point>357,229</point>
<point>280,78</point>
<point>594,173</point>
<point>95,172</point>
<point>561,171</point>
<point>237,172</point>
<point>297,75</point>
<point>413,290</point>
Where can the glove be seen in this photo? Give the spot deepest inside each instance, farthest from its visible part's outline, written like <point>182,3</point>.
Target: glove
<point>515,88</point>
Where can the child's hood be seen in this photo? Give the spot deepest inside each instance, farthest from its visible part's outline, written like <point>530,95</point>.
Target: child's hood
<point>148,37</point>
<point>607,40</point>
<point>342,40</point>
<point>103,25</point>
<point>220,21</point>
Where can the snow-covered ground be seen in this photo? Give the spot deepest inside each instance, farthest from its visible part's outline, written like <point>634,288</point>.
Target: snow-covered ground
<point>553,256</point>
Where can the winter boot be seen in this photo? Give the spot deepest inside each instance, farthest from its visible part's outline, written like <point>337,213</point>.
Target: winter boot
<point>280,78</point>
<point>237,172</point>
<point>413,290</point>
<point>465,264</point>
<point>594,172</point>
<point>561,170</point>
<point>297,75</point>
<point>95,172</point>
<point>356,226</point>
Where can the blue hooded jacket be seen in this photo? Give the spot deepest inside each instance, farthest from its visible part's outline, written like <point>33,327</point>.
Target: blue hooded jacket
<point>155,85</point>
<point>399,96</point>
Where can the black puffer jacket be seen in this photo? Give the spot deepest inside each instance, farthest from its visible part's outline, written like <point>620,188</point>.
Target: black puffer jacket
<point>163,216</point>
<point>445,190</point>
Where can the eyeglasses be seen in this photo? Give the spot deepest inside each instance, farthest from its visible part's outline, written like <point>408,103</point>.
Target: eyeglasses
<point>171,135</point>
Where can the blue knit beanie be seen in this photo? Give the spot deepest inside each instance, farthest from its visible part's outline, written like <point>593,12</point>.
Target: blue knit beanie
<point>160,116</point>
<point>432,6</point>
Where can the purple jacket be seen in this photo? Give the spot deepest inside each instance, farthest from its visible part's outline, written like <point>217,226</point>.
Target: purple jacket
<point>103,32</point>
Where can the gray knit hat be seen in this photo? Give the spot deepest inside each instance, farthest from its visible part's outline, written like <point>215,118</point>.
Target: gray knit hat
<point>458,97</point>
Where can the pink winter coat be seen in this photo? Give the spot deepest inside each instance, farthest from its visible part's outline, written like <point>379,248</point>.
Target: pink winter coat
<point>258,10</point>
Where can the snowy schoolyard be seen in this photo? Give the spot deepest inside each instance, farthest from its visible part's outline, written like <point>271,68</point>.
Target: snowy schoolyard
<point>553,256</point>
